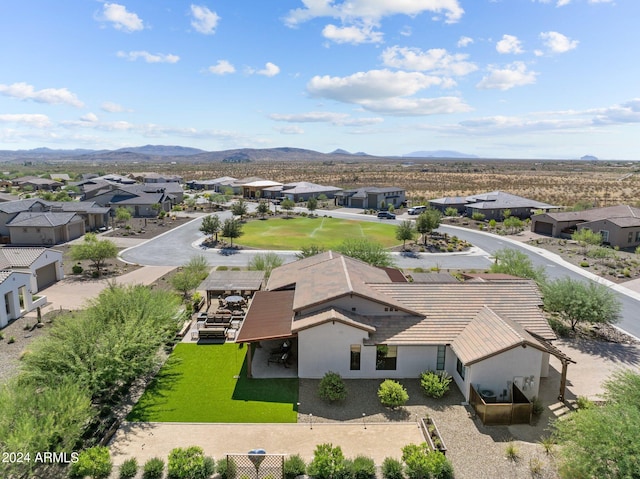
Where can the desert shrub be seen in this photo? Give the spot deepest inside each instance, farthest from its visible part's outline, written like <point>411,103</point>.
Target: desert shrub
<point>226,468</point>
<point>477,216</point>
<point>222,268</point>
<point>189,463</point>
<point>94,462</point>
<point>422,463</point>
<point>332,387</point>
<point>328,462</point>
<point>434,384</point>
<point>392,394</point>
<point>77,269</point>
<point>153,469</point>
<point>363,467</point>
<point>583,402</point>
<point>392,468</point>
<point>559,327</point>
<point>450,211</point>
<point>129,468</point>
<point>584,264</point>
<point>537,407</point>
<point>294,466</point>
<point>512,452</point>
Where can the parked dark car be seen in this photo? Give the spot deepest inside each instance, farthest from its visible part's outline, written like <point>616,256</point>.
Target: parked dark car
<point>385,215</point>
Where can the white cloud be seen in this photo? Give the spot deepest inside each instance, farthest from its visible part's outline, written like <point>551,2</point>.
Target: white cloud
<point>269,70</point>
<point>90,117</point>
<point>437,60</point>
<point>112,107</point>
<point>29,119</point>
<point>290,130</point>
<point>204,20</point>
<point>464,42</point>
<point>353,34</point>
<point>356,10</point>
<point>339,119</point>
<point>417,106</point>
<point>557,42</point>
<point>120,18</point>
<point>509,44</point>
<point>149,57</point>
<point>222,67</point>
<point>513,75</point>
<point>24,91</point>
<point>628,112</point>
<point>406,31</point>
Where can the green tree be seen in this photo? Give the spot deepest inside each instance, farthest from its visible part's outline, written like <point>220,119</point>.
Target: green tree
<point>516,263</point>
<point>211,226</point>
<point>190,203</point>
<point>310,250</point>
<point>322,198</point>
<point>392,394</point>
<point>287,205</point>
<point>312,204</point>
<point>579,301</point>
<point>405,231</point>
<point>586,238</point>
<point>451,211</point>
<point>512,224</point>
<point>367,251</point>
<point>266,262</point>
<point>190,275</point>
<point>426,222</point>
<point>506,213</point>
<point>158,209</point>
<point>123,215</point>
<point>232,228</point>
<point>93,249</point>
<point>240,208</point>
<point>263,208</point>
<point>603,441</point>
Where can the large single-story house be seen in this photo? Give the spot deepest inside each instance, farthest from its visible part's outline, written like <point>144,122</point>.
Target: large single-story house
<point>366,322</point>
<point>254,189</point>
<point>153,177</point>
<point>141,200</point>
<point>618,225</point>
<point>36,183</point>
<point>371,197</point>
<point>215,184</point>
<point>492,205</point>
<point>300,191</point>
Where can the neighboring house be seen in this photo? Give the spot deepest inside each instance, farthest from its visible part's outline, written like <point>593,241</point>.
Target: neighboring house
<point>216,184</point>
<point>16,296</point>
<point>618,225</point>
<point>492,205</point>
<point>60,177</point>
<point>254,189</point>
<point>371,197</point>
<point>300,191</point>
<point>152,177</point>
<point>366,322</point>
<point>141,200</point>
<point>4,197</point>
<point>37,183</point>
<point>45,228</point>
<point>43,264</point>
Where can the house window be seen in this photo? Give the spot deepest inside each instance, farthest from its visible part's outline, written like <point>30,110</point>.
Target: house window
<point>355,357</point>
<point>605,235</point>
<point>440,359</point>
<point>630,237</point>
<point>637,236</point>
<point>386,357</point>
<point>460,368</point>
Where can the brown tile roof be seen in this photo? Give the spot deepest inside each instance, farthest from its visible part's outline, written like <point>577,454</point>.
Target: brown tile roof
<point>269,316</point>
<point>489,276</point>
<point>433,278</point>
<point>332,314</point>
<point>488,335</point>
<point>595,214</point>
<point>448,308</point>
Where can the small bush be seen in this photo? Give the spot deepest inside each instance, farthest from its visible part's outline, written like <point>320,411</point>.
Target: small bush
<point>129,468</point>
<point>189,463</point>
<point>363,467</point>
<point>77,269</point>
<point>94,462</point>
<point>392,394</point>
<point>477,216</point>
<point>584,264</point>
<point>226,468</point>
<point>422,463</point>
<point>11,340</point>
<point>222,268</point>
<point>294,466</point>
<point>547,444</point>
<point>392,468</point>
<point>434,384</point>
<point>153,469</point>
<point>328,462</point>
<point>583,402</point>
<point>512,451</point>
<point>537,407</point>
<point>332,387</point>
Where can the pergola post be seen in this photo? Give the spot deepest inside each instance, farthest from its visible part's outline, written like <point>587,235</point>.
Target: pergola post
<point>249,358</point>
<point>563,380</point>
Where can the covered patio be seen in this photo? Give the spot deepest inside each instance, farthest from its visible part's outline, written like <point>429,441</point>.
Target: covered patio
<point>220,284</point>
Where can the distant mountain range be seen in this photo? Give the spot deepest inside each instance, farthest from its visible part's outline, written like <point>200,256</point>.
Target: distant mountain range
<point>438,154</point>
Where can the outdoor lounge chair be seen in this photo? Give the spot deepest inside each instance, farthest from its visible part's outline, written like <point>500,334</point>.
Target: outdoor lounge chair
<point>279,359</point>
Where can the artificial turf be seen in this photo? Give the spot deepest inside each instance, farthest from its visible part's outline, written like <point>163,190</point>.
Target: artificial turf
<point>197,384</point>
<point>295,232</point>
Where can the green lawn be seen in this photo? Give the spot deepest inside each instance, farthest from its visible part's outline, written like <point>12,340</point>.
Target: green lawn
<point>296,232</point>
<point>197,385</point>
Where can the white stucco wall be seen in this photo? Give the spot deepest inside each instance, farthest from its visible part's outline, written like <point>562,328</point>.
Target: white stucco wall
<point>327,347</point>
<point>12,284</point>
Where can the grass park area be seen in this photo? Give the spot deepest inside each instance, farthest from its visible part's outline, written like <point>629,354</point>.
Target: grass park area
<point>295,232</point>
<point>197,384</point>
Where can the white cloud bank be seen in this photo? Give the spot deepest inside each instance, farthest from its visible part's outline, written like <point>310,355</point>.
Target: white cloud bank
<point>222,67</point>
<point>513,75</point>
<point>120,18</point>
<point>557,42</point>
<point>204,20</point>
<point>149,57</point>
<point>509,44</point>
<point>436,60</point>
<point>338,119</point>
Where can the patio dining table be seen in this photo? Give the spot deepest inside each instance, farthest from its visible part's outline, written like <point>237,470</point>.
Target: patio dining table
<point>234,299</point>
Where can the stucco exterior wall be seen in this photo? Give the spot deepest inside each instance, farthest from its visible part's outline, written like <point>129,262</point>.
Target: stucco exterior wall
<point>10,297</point>
<point>362,306</point>
<point>617,236</point>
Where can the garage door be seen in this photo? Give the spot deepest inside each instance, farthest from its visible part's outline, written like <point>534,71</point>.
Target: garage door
<point>543,228</point>
<point>46,276</point>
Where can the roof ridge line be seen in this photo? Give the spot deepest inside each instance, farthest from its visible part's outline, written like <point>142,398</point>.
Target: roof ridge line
<point>346,273</point>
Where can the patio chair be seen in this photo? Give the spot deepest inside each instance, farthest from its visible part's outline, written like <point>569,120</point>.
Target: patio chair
<point>279,359</point>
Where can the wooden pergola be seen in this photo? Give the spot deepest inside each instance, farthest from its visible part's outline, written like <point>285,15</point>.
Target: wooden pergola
<point>231,282</point>
<point>564,360</point>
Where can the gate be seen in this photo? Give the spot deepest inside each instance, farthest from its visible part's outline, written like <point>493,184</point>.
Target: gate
<point>255,465</point>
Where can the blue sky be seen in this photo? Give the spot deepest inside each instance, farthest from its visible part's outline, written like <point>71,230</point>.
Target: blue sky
<point>507,79</point>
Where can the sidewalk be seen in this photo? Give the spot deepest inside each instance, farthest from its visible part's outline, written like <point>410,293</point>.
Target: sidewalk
<point>73,293</point>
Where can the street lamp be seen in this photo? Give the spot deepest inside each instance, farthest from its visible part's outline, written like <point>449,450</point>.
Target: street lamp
<point>311,420</point>
<point>364,424</point>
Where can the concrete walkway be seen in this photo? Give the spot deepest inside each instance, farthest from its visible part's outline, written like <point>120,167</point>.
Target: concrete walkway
<point>146,440</point>
<point>73,293</point>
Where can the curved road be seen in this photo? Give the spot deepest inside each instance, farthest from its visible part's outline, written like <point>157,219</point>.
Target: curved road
<point>175,247</point>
